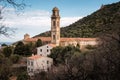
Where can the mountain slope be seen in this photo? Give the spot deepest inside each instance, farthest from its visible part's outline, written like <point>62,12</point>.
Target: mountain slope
<point>98,22</point>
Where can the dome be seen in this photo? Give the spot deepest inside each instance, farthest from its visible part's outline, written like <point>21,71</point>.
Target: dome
<point>55,8</point>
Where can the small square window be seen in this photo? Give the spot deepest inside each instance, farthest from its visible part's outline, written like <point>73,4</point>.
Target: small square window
<point>47,62</point>
<point>40,50</point>
<point>31,63</point>
<point>31,70</point>
<point>28,69</point>
<point>28,62</point>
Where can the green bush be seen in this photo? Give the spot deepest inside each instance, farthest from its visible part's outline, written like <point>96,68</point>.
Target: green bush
<point>23,76</point>
<point>15,58</point>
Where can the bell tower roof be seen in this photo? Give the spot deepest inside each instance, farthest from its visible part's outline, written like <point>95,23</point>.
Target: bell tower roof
<point>55,9</point>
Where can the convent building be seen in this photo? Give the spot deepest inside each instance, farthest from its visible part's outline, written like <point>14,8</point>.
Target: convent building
<point>55,35</point>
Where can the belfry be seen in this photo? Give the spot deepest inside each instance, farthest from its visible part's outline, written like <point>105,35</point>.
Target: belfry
<point>55,26</point>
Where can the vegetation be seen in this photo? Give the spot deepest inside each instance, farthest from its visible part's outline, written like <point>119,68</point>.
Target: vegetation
<point>7,51</point>
<point>98,22</point>
<point>61,54</point>
<point>15,58</point>
<point>23,76</point>
<point>102,63</point>
<point>4,44</point>
<point>39,43</point>
<point>23,49</point>
<point>5,68</point>
<point>18,5</point>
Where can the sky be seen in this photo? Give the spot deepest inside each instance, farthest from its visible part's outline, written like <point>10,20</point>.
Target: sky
<point>36,17</point>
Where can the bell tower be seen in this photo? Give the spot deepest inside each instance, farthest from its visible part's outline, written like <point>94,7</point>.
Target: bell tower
<point>55,26</point>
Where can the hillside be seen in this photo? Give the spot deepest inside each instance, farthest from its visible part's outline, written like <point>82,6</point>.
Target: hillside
<point>100,21</point>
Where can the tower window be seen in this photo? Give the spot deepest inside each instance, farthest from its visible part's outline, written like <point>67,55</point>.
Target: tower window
<point>53,12</point>
<point>54,23</point>
<point>53,37</point>
<point>58,23</point>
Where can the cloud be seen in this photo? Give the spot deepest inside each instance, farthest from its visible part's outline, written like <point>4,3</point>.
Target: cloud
<point>33,22</point>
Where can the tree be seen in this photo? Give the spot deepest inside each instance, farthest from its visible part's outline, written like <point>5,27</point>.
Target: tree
<point>19,49</point>
<point>39,43</point>
<point>22,49</point>
<point>15,58</point>
<point>61,54</point>
<point>41,76</point>
<point>5,69</point>
<point>7,51</point>
<point>55,54</point>
<point>23,76</point>
<point>4,44</point>
<point>17,5</point>
<point>27,49</point>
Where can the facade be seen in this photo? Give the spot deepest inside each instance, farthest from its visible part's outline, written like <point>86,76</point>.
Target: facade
<point>45,50</point>
<point>55,27</point>
<point>55,35</point>
<point>36,64</point>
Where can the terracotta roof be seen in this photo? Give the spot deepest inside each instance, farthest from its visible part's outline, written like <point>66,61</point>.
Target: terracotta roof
<point>35,39</point>
<point>61,39</point>
<point>52,45</point>
<point>77,39</point>
<point>33,57</point>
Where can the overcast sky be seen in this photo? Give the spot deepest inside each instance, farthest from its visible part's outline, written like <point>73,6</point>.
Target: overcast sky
<point>35,18</point>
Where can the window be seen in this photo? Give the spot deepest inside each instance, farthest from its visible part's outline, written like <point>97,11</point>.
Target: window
<point>31,70</point>
<point>57,23</point>
<point>31,63</point>
<point>47,50</point>
<point>28,69</point>
<point>53,12</point>
<point>54,23</point>
<point>40,50</point>
<point>28,62</point>
<point>53,37</point>
<point>48,69</point>
<point>47,62</point>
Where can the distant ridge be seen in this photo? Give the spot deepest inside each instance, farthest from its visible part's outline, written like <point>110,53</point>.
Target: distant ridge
<point>100,21</point>
<point>8,43</point>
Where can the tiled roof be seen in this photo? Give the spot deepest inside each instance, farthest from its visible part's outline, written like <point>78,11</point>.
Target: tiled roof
<point>33,57</point>
<point>35,39</point>
<point>61,39</point>
<point>77,39</point>
<point>52,45</point>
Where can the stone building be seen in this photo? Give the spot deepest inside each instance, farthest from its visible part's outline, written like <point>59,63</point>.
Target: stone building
<point>55,35</point>
<point>36,64</point>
